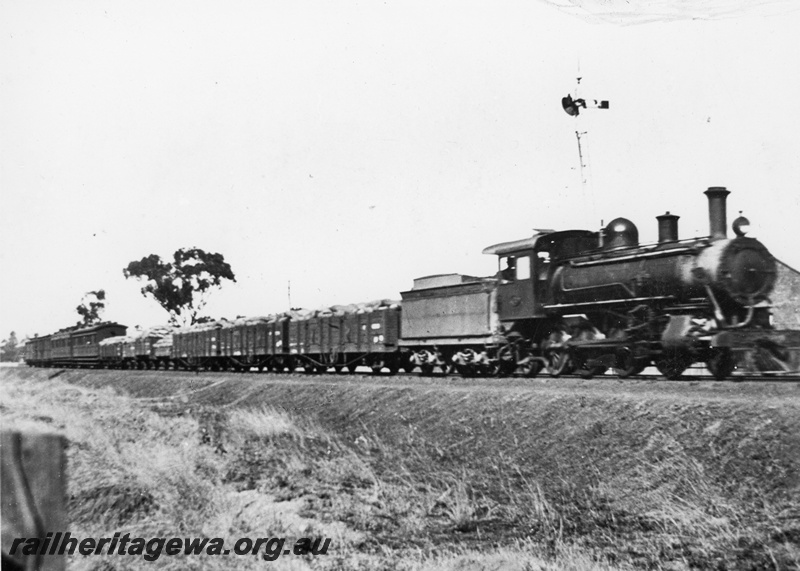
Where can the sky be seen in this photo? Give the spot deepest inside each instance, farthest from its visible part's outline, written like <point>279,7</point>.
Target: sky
<point>335,151</point>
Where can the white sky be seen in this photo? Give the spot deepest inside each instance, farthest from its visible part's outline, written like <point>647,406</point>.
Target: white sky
<point>352,146</point>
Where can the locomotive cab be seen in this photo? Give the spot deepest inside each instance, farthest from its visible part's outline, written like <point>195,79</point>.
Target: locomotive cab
<point>525,267</point>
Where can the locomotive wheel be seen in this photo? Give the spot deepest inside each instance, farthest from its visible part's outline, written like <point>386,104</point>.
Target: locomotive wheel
<point>589,372</point>
<point>672,366</point>
<point>672,371</point>
<point>558,362</point>
<point>530,369</point>
<point>558,359</point>
<point>584,370</point>
<point>627,365</point>
<point>721,363</point>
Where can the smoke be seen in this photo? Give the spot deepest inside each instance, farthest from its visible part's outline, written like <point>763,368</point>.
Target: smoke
<point>629,12</point>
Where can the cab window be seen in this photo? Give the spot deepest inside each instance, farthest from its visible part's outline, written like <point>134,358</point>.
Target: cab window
<point>543,263</point>
<point>508,268</point>
<point>523,268</point>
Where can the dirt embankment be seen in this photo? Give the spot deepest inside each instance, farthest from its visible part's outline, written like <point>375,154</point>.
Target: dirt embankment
<point>660,475</point>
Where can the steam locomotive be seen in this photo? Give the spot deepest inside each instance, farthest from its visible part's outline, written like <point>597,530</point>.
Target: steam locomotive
<point>561,301</point>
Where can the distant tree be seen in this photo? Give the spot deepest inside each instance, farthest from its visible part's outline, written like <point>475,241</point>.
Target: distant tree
<point>9,350</point>
<point>183,286</point>
<point>92,306</point>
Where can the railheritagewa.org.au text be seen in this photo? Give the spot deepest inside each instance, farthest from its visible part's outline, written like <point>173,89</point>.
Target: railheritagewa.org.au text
<point>150,549</point>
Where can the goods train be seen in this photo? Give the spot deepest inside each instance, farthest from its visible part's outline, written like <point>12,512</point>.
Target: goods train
<point>562,301</point>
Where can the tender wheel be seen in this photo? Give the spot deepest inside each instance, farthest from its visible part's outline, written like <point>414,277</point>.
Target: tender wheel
<point>721,363</point>
<point>464,370</point>
<point>504,364</point>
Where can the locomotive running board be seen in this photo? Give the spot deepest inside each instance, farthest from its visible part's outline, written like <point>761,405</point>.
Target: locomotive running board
<point>608,302</point>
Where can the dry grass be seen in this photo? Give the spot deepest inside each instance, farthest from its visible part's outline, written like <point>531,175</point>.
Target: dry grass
<point>433,479</point>
<point>155,469</point>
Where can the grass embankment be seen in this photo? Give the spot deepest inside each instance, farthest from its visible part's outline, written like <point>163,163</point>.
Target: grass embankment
<point>418,475</point>
<point>167,467</point>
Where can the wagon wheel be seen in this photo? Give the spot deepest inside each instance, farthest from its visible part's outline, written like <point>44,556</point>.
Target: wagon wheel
<point>721,363</point>
<point>557,357</point>
<point>309,368</point>
<point>352,368</point>
<point>338,369</point>
<point>426,369</point>
<point>673,364</point>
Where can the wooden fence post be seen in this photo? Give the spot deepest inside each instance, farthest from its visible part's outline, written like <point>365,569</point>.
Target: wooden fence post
<point>33,478</point>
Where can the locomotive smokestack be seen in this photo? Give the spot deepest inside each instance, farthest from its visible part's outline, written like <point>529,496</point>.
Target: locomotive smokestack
<point>667,227</point>
<point>717,216</point>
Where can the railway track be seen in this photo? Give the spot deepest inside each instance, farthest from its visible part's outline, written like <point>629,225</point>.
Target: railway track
<point>692,375</point>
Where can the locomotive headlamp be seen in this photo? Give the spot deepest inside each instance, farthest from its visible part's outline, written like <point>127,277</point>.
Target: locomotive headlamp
<point>741,225</point>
